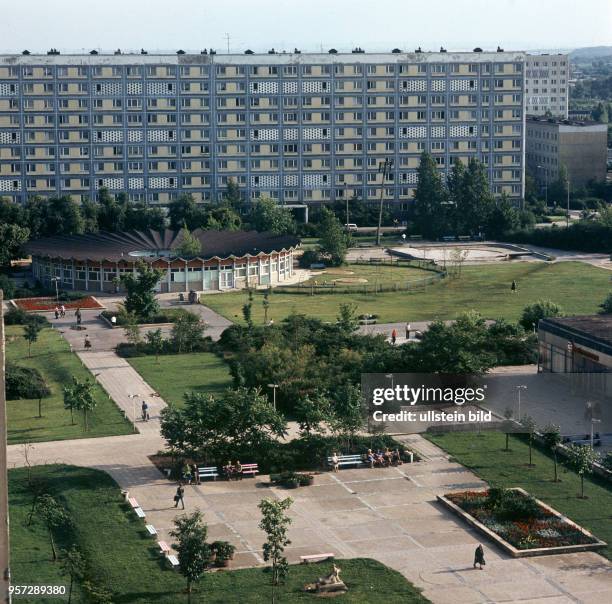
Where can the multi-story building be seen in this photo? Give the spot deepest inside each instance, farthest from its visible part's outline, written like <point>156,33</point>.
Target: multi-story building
<point>295,127</point>
<point>581,147</point>
<point>547,84</point>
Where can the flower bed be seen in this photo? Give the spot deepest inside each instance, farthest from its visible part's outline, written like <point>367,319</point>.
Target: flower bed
<point>49,303</point>
<point>519,523</point>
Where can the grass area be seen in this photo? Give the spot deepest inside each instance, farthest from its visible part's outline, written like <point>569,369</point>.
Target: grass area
<point>485,456</point>
<point>578,287</point>
<point>373,274</point>
<point>123,559</point>
<point>176,374</point>
<point>52,357</point>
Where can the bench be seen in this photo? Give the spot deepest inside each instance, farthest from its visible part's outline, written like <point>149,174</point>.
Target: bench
<point>132,501</point>
<point>449,238</point>
<point>464,238</point>
<point>151,529</point>
<point>316,558</point>
<point>164,548</point>
<point>140,513</point>
<point>347,460</point>
<point>173,561</point>
<point>211,472</point>
<point>250,469</point>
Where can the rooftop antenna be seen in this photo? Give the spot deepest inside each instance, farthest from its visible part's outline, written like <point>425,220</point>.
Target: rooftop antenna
<point>227,37</point>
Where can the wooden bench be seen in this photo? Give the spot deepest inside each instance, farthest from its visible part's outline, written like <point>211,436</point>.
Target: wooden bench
<point>164,548</point>
<point>250,469</point>
<point>173,561</point>
<point>347,460</point>
<point>151,529</point>
<point>132,501</point>
<point>211,472</point>
<point>140,513</point>
<point>316,558</point>
<point>449,238</point>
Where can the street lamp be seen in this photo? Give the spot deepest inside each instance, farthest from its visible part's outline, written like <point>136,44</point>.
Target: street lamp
<point>518,391</point>
<point>56,280</point>
<point>134,397</point>
<point>591,412</point>
<point>390,376</point>
<point>274,387</point>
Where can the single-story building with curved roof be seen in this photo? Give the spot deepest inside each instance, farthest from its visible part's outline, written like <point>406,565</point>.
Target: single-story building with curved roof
<point>227,259</point>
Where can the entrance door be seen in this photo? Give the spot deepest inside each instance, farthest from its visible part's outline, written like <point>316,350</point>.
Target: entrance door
<point>226,279</point>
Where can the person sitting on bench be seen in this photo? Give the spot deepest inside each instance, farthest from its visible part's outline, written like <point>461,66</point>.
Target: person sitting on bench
<point>238,469</point>
<point>370,458</point>
<point>228,470</point>
<point>396,458</point>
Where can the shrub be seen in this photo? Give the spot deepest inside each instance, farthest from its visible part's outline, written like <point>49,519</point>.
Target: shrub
<point>512,505</point>
<point>25,382</point>
<point>17,316</point>
<point>539,310</point>
<point>310,257</point>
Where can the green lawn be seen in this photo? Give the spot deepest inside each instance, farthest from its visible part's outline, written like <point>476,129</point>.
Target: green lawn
<point>579,288</point>
<point>52,357</point>
<point>484,455</point>
<point>371,274</point>
<point>176,374</point>
<point>122,557</point>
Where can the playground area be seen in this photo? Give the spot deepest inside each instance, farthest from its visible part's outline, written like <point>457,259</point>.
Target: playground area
<point>468,253</point>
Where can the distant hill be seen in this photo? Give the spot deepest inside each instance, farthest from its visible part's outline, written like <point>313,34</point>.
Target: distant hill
<point>591,52</point>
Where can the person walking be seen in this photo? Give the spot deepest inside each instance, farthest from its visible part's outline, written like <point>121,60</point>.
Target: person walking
<point>179,496</point>
<point>57,312</point>
<point>479,557</point>
<point>78,316</point>
<point>62,311</point>
<point>393,337</point>
<point>335,462</point>
<point>513,287</point>
<point>87,342</point>
<point>145,411</point>
<point>407,331</point>
<point>195,473</point>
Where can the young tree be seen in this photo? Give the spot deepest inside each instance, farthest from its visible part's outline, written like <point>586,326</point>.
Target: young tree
<point>311,412</point>
<point>52,515</point>
<point>275,523</point>
<point>266,306</point>
<point>132,330</point>
<point>192,550</point>
<point>348,415</point>
<point>539,310</point>
<point>73,566</point>
<point>347,320</point>
<point>267,215</point>
<point>333,240</point>
<point>190,245</point>
<point>529,427</point>
<point>140,288</point>
<point>156,341</point>
<point>247,311</point>
<point>187,332</point>
<point>581,460</point>
<point>552,440</point>
<point>80,396</point>
<point>430,199</point>
<point>30,332</point>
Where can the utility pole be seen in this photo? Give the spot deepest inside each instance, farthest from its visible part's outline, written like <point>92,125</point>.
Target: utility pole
<point>227,37</point>
<point>384,167</point>
<point>5,572</point>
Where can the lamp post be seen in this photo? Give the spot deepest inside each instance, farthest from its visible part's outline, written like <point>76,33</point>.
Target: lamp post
<point>134,397</point>
<point>391,377</point>
<point>518,391</point>
<point>592,410</point>
<point>384,167</point>
<point>56,280</point>
<point>274,387</point>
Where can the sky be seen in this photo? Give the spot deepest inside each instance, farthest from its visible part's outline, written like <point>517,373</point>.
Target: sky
<point>311,25</point>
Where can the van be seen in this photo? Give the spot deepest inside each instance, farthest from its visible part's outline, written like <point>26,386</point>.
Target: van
<point>351,226</point>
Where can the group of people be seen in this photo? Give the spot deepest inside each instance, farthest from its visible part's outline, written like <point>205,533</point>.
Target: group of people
<point>383,459</point>
<point>190,474</point>
<point>408,330</point>
<point>233,470</point>
<point>60,311</point>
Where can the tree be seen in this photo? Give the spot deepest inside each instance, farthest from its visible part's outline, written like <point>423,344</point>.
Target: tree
<point>311,412</point>
<point>132,330</point>
<point>348,415</point>
<point>581,459</point>
<point>606,305</point>
<point>73,566</point>
<point>275,523</point>
<point>140,298</point>
<point>333,240</point>
<point>111,214</point>
<point>80,396</point>
<point>504,218</point>
<point>52,515</point>
<point>62,216</point>
<point>347,320</point>
<point>190,245</point>
<point>187,332</point>
<point>539,310</point>
<point>430,199</point>
<point>156,341</point>
<point>529,426</point>
<point>7,286</point>
<point>89,211</point>
<point>223,218</point>
<point>30,332</point>
<point>184,211</point>
<point>600,113</point>
<point>557,190</point>
<point>12,238</point>
<point>268,216</point>
<point>214,427</point>
<point>247,310</point>
<point>232,194</point>
<point>192,550</point>
<point>552,440</point>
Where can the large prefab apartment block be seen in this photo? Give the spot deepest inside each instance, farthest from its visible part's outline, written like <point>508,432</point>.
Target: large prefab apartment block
<point>547,85</point>
<point>294,127</point>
